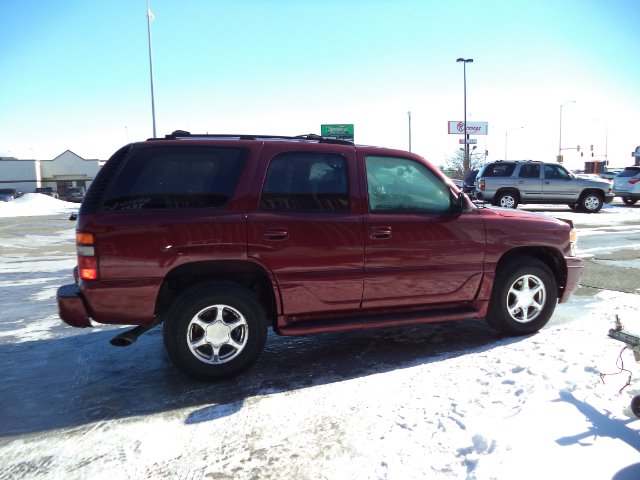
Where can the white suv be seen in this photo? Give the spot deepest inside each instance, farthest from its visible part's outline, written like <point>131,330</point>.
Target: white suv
<point>626,185</point>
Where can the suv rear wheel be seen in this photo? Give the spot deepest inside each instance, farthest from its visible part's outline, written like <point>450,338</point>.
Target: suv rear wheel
<point>591,202</point>
<point>215,330</point>
<point>629,200</point>
<point>506,199</point>
<point>524,297</point>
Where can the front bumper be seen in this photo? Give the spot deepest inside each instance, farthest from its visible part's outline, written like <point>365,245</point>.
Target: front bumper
<point>71,307</point>
<point>575,266</point>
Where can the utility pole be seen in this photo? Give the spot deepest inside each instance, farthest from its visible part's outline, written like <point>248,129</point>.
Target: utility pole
<point>153,103</point>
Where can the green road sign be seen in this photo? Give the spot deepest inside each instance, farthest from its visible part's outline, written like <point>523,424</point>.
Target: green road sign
<point>343,131</point>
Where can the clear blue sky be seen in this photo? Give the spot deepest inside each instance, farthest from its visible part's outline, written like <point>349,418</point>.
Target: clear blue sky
<point>75,74</point>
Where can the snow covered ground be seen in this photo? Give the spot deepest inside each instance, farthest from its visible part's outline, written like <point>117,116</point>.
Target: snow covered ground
<point>443,408</point>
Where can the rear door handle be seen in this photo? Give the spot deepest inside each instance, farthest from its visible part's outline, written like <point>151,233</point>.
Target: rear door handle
<point>275,234</point>
<point>379,233</point>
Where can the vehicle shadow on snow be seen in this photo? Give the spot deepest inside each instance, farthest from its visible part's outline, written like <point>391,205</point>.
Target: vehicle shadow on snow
<point>81,379</point>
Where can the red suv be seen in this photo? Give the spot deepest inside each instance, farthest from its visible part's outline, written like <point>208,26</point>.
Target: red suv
<point>221,237</point>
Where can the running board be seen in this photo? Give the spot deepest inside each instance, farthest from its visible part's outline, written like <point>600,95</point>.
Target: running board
<point>338,324</point>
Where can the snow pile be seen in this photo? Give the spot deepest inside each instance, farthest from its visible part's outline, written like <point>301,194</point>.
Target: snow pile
<point>36,204</point>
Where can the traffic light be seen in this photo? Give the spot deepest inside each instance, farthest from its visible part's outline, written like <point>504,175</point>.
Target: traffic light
<point>592,149</point>
<point>578,148</point>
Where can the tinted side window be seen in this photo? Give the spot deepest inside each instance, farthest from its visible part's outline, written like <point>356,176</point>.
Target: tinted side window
<point>306,182</point>
<point>176,177</point>
<point>529,171</point>
<point>499,170</point>
<point>555,172</point>
<point>629,172</point>
<point>402,185</point>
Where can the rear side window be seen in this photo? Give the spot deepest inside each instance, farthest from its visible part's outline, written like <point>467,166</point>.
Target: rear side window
<point>629,172</point>
<point>529,171</point>
<point>176,177</point>
<point>499,170</point>
<point>306,182</point>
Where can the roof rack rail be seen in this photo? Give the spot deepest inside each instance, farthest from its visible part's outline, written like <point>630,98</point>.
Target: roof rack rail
<point>176,134</point>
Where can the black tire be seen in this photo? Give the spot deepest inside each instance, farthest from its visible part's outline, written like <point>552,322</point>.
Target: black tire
<point>507,199</point>
<point>629,200</point>
<point>635,405</point>
<point>215,330</point>
<point>573,206</point>
<point>591,202</point>
<point>528,283</point>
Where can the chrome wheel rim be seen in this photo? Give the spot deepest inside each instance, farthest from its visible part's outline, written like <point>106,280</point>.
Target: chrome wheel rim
<point>591,202</point>
<point>507,201</point>
<point>526,298</point>
<point>217,334</point>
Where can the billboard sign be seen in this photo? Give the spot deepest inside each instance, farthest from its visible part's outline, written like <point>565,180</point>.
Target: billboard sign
<point>342,131</point>
<point>473,128</point>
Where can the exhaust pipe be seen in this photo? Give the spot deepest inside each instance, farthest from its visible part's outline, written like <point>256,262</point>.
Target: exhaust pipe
<point>125,339</point>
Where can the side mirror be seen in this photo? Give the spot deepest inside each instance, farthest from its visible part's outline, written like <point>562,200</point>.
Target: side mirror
<point>460,203</point>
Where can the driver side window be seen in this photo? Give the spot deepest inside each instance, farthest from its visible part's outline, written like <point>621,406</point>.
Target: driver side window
<point>403,185</point>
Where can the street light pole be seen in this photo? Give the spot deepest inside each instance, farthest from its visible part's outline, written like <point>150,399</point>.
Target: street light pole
<point>465,164</point>
<point>560,136</point>
<point>409,114</point>
<point>153,104</point>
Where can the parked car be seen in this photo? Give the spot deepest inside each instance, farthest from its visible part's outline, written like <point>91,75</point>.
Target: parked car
<point>47,191</point>
<point>589,176</point>
<point>221,237</point>
<point>510,183</point>
<point>75,194</point>
<point>8,194</point>
<point>469,183</point>
<point>457,182</point>
<point>611,173</point>
<point>626,185</point>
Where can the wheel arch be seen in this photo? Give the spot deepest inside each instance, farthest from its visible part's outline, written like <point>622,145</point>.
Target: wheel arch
<point>552,258</point>
<point>249,275</point>
<point>510,190</point>
<point>598,191</point>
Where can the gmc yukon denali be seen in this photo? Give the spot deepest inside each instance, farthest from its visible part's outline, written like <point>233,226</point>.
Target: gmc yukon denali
<point>220,238</point>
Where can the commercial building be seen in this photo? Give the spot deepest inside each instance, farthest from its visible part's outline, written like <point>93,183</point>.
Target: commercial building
<point>64,171</point>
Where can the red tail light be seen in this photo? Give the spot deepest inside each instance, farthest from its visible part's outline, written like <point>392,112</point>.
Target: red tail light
<point>87,262</point>
<point>481,184</point>
<point>633,181</point>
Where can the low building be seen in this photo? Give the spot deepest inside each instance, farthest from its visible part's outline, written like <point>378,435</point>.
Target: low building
<point>64,171</point>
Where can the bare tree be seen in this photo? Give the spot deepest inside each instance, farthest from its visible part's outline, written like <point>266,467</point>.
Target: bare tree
<point>455,163</point>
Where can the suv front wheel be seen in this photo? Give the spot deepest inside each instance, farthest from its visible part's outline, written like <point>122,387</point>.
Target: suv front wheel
<point>524,297</point>
<point>591,202</point>
<point>215,330</point>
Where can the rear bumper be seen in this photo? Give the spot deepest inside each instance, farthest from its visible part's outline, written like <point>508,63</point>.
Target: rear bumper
<point>71,307</point>
<point>575,266</point>
<point>631,195</point>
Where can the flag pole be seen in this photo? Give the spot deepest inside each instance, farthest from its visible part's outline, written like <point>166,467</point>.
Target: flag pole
<point>153,105</point>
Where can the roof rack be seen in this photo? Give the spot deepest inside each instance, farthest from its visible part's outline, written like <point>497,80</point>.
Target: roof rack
<point>178,134</point>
